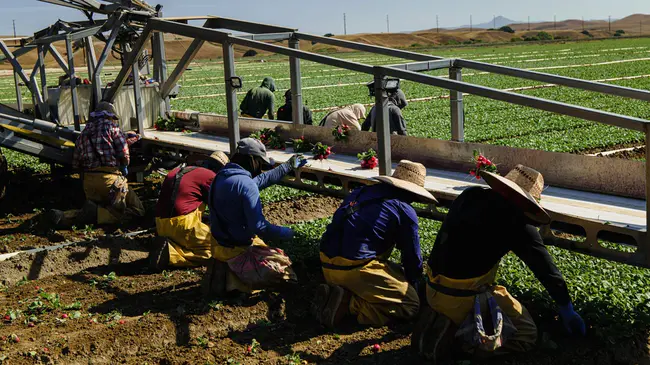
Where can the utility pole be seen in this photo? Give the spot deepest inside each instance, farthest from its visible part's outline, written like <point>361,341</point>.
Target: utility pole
<point>387,24</point>
<point>529,23</point>
<point>610,23</point>
<point>437,25</point>
<point>494,21</point>
<point>345,25</point>
<point>471,26</point>
<point>14,28</point>
<point>554,22</point>
<point>640,27</point>
<point>583,23</point>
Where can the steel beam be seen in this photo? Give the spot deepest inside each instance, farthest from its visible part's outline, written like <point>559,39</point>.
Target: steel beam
<point>23,51</point>
<point>19,93</point>
<point>366,47</point>
<point>425,65</point>
<point>383,124</point>
<point>268,36</point>
<point>96,75</point>
<point>14,62</point>
<point>245,26</point>
<point>189,55</point>
<point>137,94</point>
<point>555,79</point>
<point>80,34</point>
<point>525,100</point>
<point>203,33</point>
<point>59,59</point>
<point>296,84</point>
<point>457,108</point>
<point>231,95</point>
<point>45,110</point>
<point>331,61</point>
<point>73,85</point>
<point>133,57</point>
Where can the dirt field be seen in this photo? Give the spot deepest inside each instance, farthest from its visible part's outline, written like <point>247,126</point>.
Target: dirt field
<point>99,304</point>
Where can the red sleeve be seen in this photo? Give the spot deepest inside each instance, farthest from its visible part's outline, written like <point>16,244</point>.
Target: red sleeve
<point>207,177</point>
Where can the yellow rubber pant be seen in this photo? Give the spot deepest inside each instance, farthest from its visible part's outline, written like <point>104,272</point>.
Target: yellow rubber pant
<point>190,239</point>
<point>380,291</point>
<point>97,186</point>
<point>223,254</point>
<point>458,308</point>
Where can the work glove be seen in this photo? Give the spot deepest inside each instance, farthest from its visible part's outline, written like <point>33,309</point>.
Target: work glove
<point>297,161</point>
<point>572,321</point>
<point>124,170</point>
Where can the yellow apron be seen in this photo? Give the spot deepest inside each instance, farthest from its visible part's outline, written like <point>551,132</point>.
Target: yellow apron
<point>379,287</point>
<point>190,239</point>
<point>458,308</point>
<point>97,185</point>
<point>223,254</point>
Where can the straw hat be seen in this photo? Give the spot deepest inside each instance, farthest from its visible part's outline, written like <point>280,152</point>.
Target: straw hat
<point>410,176</point>
<point>220,158</point>
<point>522,186</point>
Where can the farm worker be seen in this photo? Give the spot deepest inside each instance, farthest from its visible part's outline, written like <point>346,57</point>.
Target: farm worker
<point>285,112</point>
<point>183,239</point>
<point>260,100</point>
<point>241,260</point>
<point>102,153</point>
<point>350,116</point>
<point>356,246</point>
<point>482,226</point>
<point>396,102</point>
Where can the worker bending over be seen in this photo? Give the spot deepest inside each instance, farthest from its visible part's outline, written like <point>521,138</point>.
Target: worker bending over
<point>481,227</point>
<point>183,239</point>
<point>396,102</point>
<point>356,246</point>
<point>351,116</point>
<point>285,112</point>
<point>241,260</point>
<point>260,100</point>
<point>102,154</point>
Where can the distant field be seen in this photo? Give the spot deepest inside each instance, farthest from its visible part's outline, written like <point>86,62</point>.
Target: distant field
<point>624,62</point>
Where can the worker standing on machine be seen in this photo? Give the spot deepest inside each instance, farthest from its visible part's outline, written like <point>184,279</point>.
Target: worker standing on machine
<point>240,258</point>
<point>285,112</point>
<point>481,227</point>
<point>102,154</point>
<point>355,248</point>
<point>183,239</point>
<point>260,100</point>
<point>396,102</point>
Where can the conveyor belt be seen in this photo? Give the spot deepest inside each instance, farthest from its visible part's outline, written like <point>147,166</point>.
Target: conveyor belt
<point>593,212</point>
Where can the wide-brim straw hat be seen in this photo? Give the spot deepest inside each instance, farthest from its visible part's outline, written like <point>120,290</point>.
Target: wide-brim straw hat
<point>220,158</point>
<point>410,176</point>
<point>522,186</point>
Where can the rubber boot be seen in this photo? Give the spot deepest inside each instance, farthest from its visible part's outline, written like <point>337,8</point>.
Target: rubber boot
<point>433,336</point>
<point>333,302</point>
<point>159,256</point>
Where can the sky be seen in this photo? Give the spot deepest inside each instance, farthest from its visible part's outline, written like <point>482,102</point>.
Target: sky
<point>326,16</point>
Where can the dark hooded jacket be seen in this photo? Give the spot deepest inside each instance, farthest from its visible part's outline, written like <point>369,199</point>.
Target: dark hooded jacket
<point>285,112</point>
<point>260,100</point>
<point>396,103</point>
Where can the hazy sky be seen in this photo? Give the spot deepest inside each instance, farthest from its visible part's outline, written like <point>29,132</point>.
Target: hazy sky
<point>325,16</point>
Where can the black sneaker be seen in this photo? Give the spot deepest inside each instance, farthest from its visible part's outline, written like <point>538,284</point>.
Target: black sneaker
<point>433,336</point>
<point>159,255</point>
<point>55,216</point>
<point>214,280</point>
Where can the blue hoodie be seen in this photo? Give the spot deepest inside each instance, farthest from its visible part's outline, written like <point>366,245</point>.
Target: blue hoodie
<point>235,206</point>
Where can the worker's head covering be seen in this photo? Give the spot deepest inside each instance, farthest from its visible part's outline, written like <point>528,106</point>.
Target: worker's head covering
<point>399,99</point>
<point>105,108</point>
<point>216,161</point>
<point>358,110</point>
<point>410,176</point>
<point>523,187</point>
<point>287,96</point>
<point>269,83</point>
<point>252,147</point>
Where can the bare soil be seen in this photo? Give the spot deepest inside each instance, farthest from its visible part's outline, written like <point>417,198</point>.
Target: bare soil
<point>119,312</point>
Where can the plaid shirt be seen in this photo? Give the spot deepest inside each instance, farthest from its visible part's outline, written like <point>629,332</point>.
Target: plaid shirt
<point>100,144</point>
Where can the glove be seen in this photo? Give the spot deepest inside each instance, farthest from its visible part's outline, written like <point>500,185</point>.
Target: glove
<point>124,170</point>
<point>572,321</point>
<point>297,161</point>
<point>285,234</point>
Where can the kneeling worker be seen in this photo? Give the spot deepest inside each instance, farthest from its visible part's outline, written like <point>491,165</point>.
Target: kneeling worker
<point>102,154</point>
<point>482,226</point>
<point>185,241</point>
<point>241,260</point>
<point>357,244</point>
